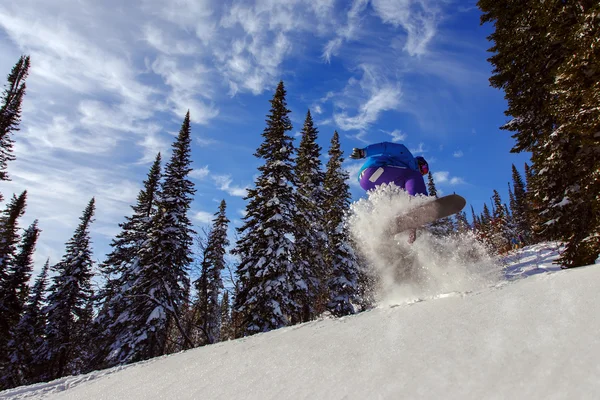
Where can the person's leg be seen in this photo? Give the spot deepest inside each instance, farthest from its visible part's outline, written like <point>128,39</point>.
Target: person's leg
<point>415,184</point>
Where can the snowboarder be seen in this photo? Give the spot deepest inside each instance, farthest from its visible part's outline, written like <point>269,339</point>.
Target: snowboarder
<point>392,162</point>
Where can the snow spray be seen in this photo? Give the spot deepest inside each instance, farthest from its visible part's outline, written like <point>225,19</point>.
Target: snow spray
<point>433,265</point>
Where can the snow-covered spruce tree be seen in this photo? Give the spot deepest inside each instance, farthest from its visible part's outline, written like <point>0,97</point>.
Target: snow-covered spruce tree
<point>543,59</point>
<point>475,219</point>
<point>520,209</point>
<point>500,232</point>
<point>341,260</point>
<point>461,222</point>
<point>63,350</point>
<point>210,284</point>
<point>15,289</point>
<point>226,322</point>
<point>118,297</point>
<point>267,275</point>
<point>10,112</point>
<point>443,226</point>
<point>484,226</point>
<point>161,288</point>
<point>26,335</point>
<point>311,239</point>
<point>9,238</point>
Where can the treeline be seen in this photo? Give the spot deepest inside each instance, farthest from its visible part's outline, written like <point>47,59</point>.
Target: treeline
<point>545,58</point>
<point>500,226</point>
<point>295,260</point>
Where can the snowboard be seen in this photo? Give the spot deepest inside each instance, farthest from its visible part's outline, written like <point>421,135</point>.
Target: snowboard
<point>429,212</point>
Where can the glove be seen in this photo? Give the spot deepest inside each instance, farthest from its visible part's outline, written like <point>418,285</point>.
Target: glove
<point>357,153</point>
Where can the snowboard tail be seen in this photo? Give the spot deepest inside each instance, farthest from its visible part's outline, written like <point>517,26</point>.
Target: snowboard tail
<point>427,213</point>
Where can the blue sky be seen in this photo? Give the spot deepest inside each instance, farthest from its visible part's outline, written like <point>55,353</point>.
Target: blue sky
<point>111,81</point>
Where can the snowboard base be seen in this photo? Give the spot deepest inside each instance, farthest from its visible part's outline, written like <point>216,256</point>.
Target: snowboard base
<point>427,213</point>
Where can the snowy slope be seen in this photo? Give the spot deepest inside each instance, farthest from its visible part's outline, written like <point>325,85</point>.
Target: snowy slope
<point>535,335</point>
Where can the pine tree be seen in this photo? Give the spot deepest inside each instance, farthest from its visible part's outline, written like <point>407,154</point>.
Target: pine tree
<point>500,230</point>
<point>210,284</point>
<point>267,276</point>
<point>342,264</point>
<point>226,322</point>
<point>484,231</point>
<point>9,238</point>
<point>543,57</point>
<point>520,206</point>
<point>118,296</point>
<point>475,219</point>
<point>311,239</point>
<point>462,224</point>
<point>15,290</point>
<point>26,336</point>
<point>62,350</point>
<point>431,189</point>
<point>161,287</point>
<point>10,112</point>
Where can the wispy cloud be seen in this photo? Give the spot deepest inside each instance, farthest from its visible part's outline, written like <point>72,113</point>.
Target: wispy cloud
<point>417,17</point>
<point>352,169</point>
<point>223,182</point>
<point>376,95</point>
<point>346,31</point>
<point>203,217</point>
<point>397,135</point>
<point>458,154</point>
<point>443,177</point>
<point>200,173</point>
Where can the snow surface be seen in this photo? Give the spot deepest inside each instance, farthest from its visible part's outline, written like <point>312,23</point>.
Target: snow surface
<point>533,334</point>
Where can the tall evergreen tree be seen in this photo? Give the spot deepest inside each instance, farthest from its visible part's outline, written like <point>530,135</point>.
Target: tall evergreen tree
<point>341,259</point>
<point>161,288</point>
<point>266,273</point>
<point>26,336</point>
<point>475,219</point>
<point>520,208</point>
<point>462,224</point>
<point>226,322</point>
<point>210,284</point>
<point>9,239</point>
<point>118,296</point>
<point>15,289</point>
<point>543,57</point>
<point>311,239</point>
<point>10,112</point>
<point>431,189</point>
<point>63,348</point>
<point>500,231</point>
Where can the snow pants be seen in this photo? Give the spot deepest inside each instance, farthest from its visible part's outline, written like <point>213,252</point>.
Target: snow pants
<point>410,180</point>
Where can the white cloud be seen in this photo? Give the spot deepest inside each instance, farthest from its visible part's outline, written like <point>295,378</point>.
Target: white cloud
<point>352,168</point>
<point>397,135</point>
<point>458,154</point>
<point>203,217</point>
<point>443,177</point>
<point>347,31</point>
<point>417,17</point>
<point>380,96</point>
<point>200,173</point>
<point>418,150</point>
<point>223,182</point>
